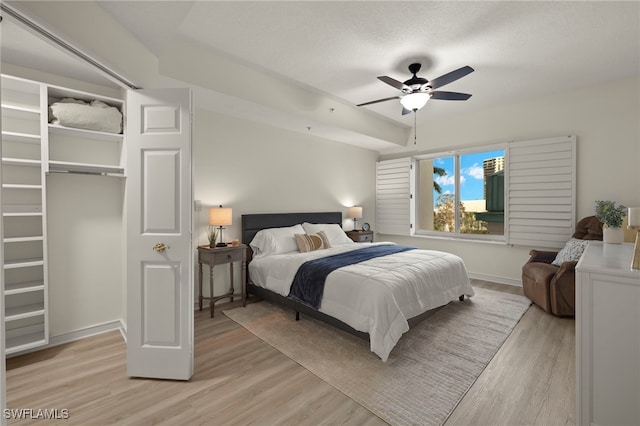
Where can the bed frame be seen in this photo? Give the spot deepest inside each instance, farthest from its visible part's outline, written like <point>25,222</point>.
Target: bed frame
<point>252,223</point>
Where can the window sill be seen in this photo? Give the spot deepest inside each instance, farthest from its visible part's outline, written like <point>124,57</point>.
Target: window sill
<point>459,237</point>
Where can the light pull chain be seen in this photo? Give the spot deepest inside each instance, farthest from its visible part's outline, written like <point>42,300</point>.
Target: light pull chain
<point>415,128</point>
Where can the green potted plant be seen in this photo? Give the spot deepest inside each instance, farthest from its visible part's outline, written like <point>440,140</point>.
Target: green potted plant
<point>611,216</point>
<point>212,234</point>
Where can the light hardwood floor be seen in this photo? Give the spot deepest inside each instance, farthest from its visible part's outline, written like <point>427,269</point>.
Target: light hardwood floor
<point>241,380</point>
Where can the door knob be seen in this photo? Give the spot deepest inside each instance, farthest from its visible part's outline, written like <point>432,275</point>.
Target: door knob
<point>160,247</point>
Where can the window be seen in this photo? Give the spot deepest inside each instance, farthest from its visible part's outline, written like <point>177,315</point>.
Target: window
<point>461,194</point>
<point>518,192</point>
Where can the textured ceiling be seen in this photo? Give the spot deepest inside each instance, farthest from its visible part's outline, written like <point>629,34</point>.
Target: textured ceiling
<point>519,50</point>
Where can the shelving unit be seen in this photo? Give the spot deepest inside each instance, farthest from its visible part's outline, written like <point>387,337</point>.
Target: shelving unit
<point>68,166</point>
<point>74,150</point>
<point>18,288</point>
<point>31,149</point>
<point>24,216</point>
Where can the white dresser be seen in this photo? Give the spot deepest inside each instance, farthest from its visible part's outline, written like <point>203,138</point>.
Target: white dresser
<point>607,336</point>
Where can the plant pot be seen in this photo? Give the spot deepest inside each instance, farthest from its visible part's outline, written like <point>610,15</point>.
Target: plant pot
<point>612,235</point>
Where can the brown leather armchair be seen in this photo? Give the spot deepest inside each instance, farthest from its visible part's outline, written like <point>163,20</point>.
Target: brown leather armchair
<point>553,287</point>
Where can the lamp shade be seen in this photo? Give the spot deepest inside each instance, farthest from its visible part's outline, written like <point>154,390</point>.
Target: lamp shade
<point>219,216</point>
<point>354,212</point>
<point>633,218</point>
<point>415,101</point>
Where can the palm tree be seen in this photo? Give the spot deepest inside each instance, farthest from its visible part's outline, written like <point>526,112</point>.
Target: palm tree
<point>440,172</point>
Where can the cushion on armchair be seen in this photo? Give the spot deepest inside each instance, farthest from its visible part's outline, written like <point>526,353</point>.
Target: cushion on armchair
<point>571,251</point>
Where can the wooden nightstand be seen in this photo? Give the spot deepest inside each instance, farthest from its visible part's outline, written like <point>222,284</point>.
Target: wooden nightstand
<point>360,236</point>
<point>219,256</point>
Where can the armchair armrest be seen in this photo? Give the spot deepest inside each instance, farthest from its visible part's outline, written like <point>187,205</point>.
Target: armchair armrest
<point>542,256</point>
<point>566,268</point>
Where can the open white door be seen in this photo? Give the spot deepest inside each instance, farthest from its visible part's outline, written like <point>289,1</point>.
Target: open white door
<point>159,228</point>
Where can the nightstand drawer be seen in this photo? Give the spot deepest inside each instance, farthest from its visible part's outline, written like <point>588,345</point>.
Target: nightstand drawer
<point>227,256</point>
<point>365,238</point>
<point>361,236</point>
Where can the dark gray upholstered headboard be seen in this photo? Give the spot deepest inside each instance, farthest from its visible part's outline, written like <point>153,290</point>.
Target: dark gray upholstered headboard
<point>252,223</point>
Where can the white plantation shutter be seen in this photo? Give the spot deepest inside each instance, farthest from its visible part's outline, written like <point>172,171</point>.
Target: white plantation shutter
<point>540,193</point>
<point>540,204</point>
<point>393,196</point>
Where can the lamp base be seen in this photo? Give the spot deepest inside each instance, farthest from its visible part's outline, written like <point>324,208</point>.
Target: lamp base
<point>221,245</point>
<point>635,263</point>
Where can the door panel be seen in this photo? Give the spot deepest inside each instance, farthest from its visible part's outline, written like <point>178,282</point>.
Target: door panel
<point>161,119</point>
<point>159,228</point>
<point>161,301</point>
<point>161,191</point>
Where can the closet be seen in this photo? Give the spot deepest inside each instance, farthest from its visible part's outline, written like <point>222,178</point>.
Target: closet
<point>66,173</point>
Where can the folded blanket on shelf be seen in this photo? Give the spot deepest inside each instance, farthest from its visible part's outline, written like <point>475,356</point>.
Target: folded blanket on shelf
<point>95,115</point>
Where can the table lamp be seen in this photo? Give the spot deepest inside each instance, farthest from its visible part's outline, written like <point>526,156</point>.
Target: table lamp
<point>354,213</point>
<point>220,217</point>
<point>634,223</point>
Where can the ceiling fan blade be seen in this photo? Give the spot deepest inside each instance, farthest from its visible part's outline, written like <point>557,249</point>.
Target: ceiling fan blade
<point>405,111</point>
<point>450,77</point>
<point>379,100</point>
<point>450,96</point>
<point>394,83</point>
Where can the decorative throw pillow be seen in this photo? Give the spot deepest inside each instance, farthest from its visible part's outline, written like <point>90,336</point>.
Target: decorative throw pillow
<point>312,242</point>
<point>335,234</point>
<point>571,251</point>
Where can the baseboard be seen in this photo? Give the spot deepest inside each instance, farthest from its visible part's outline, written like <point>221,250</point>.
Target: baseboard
<point>123,330</point>
<point>87,332</point>
<point>495,279</point>
<point>83,333</point>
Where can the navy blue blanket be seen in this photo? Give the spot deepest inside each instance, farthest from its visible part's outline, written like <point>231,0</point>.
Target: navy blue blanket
<point>308,284</point>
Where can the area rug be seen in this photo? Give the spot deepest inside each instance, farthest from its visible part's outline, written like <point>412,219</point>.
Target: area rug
<point>428,372</point>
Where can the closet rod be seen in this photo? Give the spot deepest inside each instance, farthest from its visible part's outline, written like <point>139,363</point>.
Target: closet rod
<point>78,172</point>
<point>66,46</point>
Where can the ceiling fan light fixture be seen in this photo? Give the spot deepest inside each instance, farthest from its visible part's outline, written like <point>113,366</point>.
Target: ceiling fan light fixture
<point>416,92</point>
<point>415,101</point>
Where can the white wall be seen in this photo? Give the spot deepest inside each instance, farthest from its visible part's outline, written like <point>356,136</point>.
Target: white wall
<point>92,30</point>
<point>58,80</point>
<point>255,168</point>
<point>85,251</point>
<point>604,119</point>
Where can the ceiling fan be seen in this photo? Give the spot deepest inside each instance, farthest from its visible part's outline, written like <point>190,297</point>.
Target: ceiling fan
<point>417,90</point>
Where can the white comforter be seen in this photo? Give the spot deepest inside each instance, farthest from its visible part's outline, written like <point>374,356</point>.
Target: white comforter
<point>376,296</point>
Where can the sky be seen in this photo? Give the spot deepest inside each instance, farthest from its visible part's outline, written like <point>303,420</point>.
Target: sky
<point>471,174</point>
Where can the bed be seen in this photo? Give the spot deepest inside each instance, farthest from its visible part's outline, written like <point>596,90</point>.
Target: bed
<point>377,299</point>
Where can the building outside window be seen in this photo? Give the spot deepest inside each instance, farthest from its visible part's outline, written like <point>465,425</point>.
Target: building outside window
<point>461,194</point>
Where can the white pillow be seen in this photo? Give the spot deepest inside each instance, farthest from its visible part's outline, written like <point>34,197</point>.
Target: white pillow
<point>275,240</point>
<point>334,232</point>
<point>570,252</point>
